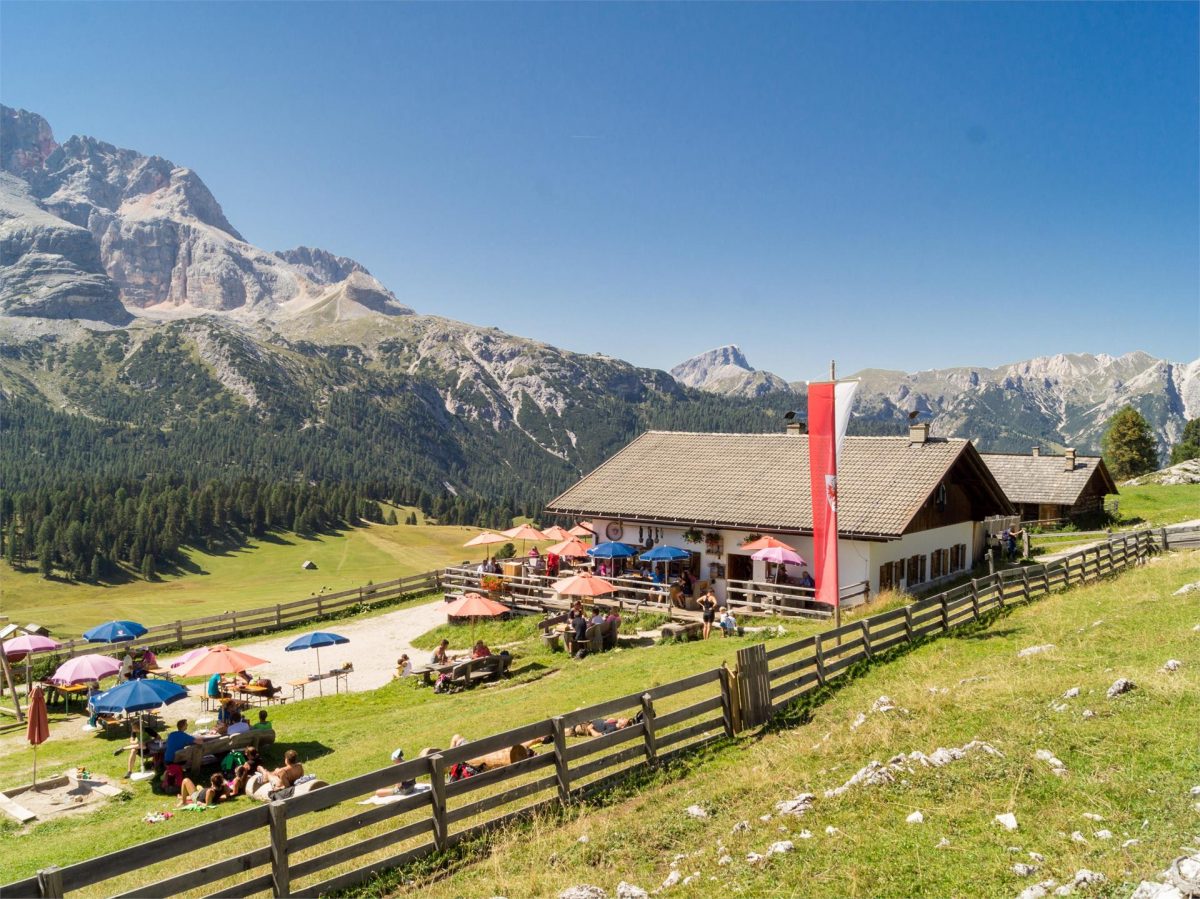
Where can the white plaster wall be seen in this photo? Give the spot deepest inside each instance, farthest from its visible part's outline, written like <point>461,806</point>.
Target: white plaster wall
<point>922,543</point>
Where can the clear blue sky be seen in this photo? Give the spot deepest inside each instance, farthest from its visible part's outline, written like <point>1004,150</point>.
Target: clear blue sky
<point>899,186</point>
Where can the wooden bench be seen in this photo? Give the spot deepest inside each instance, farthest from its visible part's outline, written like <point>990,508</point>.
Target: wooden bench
<point>468,672</point>
<point>192,756</point>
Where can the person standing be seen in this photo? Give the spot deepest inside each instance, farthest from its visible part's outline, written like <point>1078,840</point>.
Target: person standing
<point>708,611</point>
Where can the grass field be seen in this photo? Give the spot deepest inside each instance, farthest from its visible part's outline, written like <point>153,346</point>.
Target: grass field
<point>1159,504</point>
<point>262,573</point>
<point>1133,763</point>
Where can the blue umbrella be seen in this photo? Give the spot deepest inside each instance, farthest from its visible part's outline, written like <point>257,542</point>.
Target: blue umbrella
<point>138,696</point>
<point>611,551</point>
<point>666,555</point>
<point>114,632</point>
<point>316,640</point>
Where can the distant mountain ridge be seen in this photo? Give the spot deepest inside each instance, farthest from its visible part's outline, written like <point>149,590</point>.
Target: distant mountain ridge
<point>1056,401</point>
<point>140,333</point>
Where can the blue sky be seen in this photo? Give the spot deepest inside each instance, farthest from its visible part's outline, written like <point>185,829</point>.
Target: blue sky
<point>894,186</point>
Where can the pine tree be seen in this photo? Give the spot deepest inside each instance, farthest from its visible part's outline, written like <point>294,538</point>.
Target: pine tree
<point>1128,445</point>
<point>1188,446</point>
<point>149,571</point>
<point>391,519</point>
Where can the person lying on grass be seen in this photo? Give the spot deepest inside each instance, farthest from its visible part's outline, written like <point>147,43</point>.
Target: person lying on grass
<point>216,792</point>
<point>598,727</point>
<point>405,787</point>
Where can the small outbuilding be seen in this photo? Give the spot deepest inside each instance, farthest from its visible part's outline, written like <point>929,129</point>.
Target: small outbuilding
<point>1052,489</point>
<point>309,565</point>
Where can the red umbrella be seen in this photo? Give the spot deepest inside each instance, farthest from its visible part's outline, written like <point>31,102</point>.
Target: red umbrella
<point>583,585</point>
<point>37,731</point>
<point>472,605</point>
<point>765,542</point>
<point>220,660</point>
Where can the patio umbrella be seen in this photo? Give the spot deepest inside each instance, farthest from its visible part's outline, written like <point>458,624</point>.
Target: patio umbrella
<point>220,660</point>
<point>583,585</point>
<point>188,656</point>
<point>554,532</point>
<point>764,542</point>
<point>82,669</point>
<point>316,640</point>
<point>581,530</point>
<point>666,555</point>
<point>524,532</point>
<point>114,632</point>
<point>25,646</point>
<point>612,551</point>
<point>37,731</point>
<point>138,696</point>
<point>569,548</point>
<point>487,538</point>
<point>473,605</point>
<point>779,555</point>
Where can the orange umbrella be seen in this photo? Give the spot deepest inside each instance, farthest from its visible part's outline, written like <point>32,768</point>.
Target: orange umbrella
<point>583,585</point>
<point>766,542</point>
<point>219,660</point>
<point>473,605</point>
<point>570,548</point>
<point>37,731</point>
<point>524,532</point>
<point>581,530</point>
<point>485,539</point>
<point>554,532</point>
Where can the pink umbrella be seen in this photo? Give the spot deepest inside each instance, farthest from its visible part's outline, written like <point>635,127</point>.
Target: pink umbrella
<point>188,656</point>
<point>780,555</point>
<point>82,669</point>
<point>24,646</point>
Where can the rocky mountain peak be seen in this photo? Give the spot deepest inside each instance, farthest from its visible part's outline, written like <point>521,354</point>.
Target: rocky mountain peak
<point>321,266</point>
<point>726,370</point>
<point>26,140</point>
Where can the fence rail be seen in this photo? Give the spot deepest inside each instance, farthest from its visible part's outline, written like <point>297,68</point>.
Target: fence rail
<point>273,853</point>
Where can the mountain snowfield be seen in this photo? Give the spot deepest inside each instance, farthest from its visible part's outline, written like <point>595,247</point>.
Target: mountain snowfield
<point>106,253</point>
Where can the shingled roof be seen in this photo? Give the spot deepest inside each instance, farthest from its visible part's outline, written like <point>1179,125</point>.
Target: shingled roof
<point>761,481</point>
<point>1045,479</point>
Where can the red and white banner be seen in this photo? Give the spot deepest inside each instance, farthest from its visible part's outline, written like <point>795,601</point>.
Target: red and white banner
<point>829,405</point>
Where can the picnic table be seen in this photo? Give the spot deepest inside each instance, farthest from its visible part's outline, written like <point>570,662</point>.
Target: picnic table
<point>256,694</point>
<point>467,672</point>
<point>340,676</point>
<point>65,691</point>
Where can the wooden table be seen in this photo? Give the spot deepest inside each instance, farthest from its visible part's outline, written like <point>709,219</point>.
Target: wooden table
<point>339,677</point>
<point>255,694</point>
<point>66,691</point>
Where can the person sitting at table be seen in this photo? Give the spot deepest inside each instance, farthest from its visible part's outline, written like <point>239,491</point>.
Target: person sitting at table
<point>441,655</point>
<point>227,710</point>
<point>149,659</point>
<point>216,792</point>
<point>213,689</point>
<point>404,666</point>
<point>176,740</point>
<point>579,626</point>
<point>242,679</point>
<point>263,723</point>
<point>236,725</point>
<point>126,672</point>
<point>597,616</point>
<point>480,651</point>
<point>806,579</point>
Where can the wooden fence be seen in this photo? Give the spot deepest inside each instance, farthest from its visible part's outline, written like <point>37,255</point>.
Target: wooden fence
<point>289,848</point>
<point>241,623</point>
<point>273,854</point>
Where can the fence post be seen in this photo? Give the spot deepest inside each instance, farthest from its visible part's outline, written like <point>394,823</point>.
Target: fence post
<point>437,796</point>
<point>649,737</point>
<point>945,614</point>
<point>561,771</point>
<point>278,615</point>
<point>820,654</point>
<point>1025,581</point>
<point>908,623</point>
<point>735,699</point>
<point>50,882</point>
<point>320,612</point>
<point>179,632</point>
<point>1162,535</point>
<point>865,624</point>
<point>726,700</point>
<point>233,620</point>
<point>280,877</point>
<point>998,586</point>
<point>974,598</point>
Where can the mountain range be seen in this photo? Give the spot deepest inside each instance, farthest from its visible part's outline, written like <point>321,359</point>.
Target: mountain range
<point>141,333</point>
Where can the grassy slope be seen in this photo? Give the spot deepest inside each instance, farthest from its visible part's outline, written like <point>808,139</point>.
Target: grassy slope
<point>1133,763</point>
<point>1159,504</point>
<point>263,573</point>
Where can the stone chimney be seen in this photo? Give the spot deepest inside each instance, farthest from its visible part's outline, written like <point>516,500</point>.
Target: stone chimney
<point>1037,451</point>
<point>918,433</point>
<point>1070,460</point>
<point>796,428</point>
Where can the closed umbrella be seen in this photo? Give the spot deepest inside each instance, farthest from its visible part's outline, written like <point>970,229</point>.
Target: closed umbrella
<point>114,632</point>
<point>316,640</point>
<point>37,731</point>
<point>84,669</point>
<point>220,660</point>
